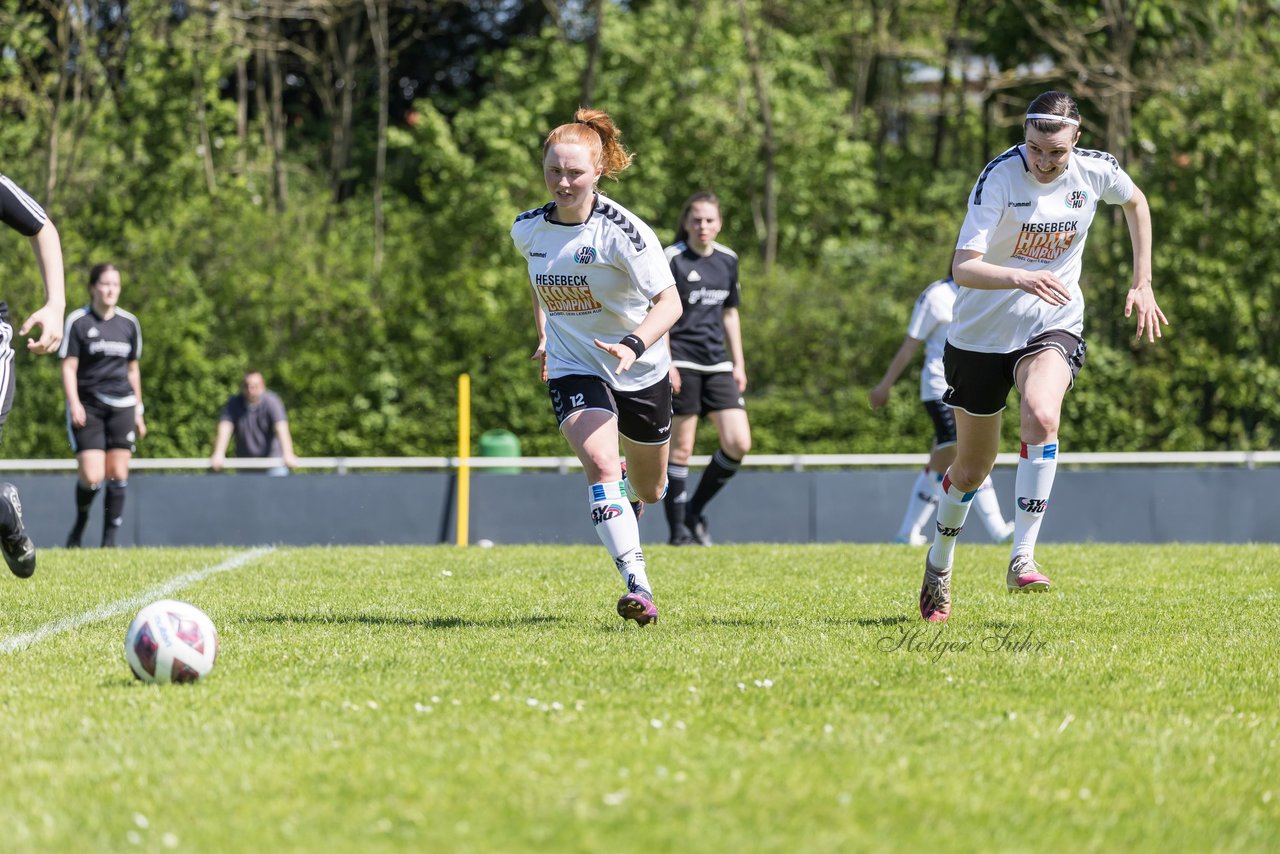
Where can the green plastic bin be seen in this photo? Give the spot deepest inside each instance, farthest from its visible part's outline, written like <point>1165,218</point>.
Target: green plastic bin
<point>500,443</point>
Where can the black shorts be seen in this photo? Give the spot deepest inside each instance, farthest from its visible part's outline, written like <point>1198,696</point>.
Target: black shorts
<point>701,393</point>
<point>944,423</point>
<point>979,383</point>
<point>7,382</point>
<point>105,427</point>
<point>643,416</point>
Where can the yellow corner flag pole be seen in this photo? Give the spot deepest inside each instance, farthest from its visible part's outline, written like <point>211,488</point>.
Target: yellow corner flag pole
<point>464,454</point>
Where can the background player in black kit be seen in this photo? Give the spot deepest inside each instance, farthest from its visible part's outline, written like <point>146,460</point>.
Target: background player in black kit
<point>21,213</point>
<point>708,372</point>
<point>103,384</point>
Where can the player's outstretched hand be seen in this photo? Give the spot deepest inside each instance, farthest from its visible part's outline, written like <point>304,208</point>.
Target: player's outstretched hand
<point>1149,314</point>
<point>49,319</point>
<point>625,355</point>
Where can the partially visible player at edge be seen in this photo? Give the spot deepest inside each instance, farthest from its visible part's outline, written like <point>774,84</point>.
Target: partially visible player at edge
<point>21,213</point>
<point>708,370</point>
<point>603,300</point>
<point>930,320</point>
<point>1019,321</point>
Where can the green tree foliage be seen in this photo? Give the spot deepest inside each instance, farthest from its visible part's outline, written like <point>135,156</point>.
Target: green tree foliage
<point>126,121</point>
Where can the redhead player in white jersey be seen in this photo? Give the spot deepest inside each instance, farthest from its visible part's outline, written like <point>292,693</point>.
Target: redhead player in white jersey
<point>603,300</point>
<point>930,320</point>
<point>1019,321</point>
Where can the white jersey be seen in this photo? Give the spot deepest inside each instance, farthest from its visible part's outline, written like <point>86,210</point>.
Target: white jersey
<point>595,280</point>
<point>930,320</point>
<point>1015,221</point>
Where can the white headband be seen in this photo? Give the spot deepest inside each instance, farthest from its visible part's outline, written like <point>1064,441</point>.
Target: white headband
<point>1048,117</point>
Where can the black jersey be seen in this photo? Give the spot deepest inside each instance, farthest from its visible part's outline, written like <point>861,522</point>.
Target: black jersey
<point>18,210</point>
<point>105,348</point>
<point>708,285</point>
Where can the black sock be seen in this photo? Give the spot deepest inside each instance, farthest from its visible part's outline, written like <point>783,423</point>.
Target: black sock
<point>714,477</point>
<point>84,500</point>
<point>674,503</point>
<point>113,512</point>
<point>8,519</point>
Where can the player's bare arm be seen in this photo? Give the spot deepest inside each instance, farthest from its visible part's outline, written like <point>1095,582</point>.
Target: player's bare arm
<point>49,317</point>
<point>1141,297</point>
<point>733,338</point>
<point>539,354</point>
<point>879,395</point>
<point>971,271</point>
<point>663,314</point>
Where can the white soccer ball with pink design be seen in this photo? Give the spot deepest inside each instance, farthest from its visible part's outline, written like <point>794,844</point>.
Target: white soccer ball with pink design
<point>171,641</point>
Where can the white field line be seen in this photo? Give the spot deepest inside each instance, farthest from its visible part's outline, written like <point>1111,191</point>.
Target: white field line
<point>125,606</point>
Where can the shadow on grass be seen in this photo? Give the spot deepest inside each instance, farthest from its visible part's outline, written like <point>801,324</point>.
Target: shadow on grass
<point>773,622</point>
<point>611,627</point>
<point>422,623</point>
<point>868,622</point>
<point>737,622</point>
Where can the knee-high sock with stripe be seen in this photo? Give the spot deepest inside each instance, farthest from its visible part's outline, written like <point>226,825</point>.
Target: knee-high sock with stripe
<point>677,496</point>
<point>1037,466</point>
<point>618,530</point>
<point>714,477</point>
<point>113,511</point>
<point>921,505</point>
<point>84,500</point>
<point>953,508</point>
<point>988,505</point>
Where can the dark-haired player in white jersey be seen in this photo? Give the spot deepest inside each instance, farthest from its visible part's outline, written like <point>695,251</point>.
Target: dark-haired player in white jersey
<point>603,300</point>
<point>21,213</point>
<point>1019,322</point>
<point>103,383</point>
<point>930,320</point>
<point>708,371</point>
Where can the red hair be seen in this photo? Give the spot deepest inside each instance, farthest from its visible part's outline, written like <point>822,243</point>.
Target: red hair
<point>595,130</point>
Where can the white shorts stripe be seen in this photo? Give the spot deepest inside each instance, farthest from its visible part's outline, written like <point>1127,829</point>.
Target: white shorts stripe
<point>6,366</point>
<point>26,201</point>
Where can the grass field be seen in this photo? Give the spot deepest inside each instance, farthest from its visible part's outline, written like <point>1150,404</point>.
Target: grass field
<point>790,699</point>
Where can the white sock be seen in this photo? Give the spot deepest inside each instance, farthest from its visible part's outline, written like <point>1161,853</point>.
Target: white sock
<point>924,498</point>
<point>989,510</point>
<point>953,507</point>
<point>617,528</point>
<point>1036,469</point>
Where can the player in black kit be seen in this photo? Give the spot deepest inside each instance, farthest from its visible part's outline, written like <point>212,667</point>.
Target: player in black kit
<point>708,373</point>
<point>103,383</point>
<point>21,213</point>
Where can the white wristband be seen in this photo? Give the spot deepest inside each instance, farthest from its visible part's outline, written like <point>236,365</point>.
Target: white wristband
<point>140,408</point>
